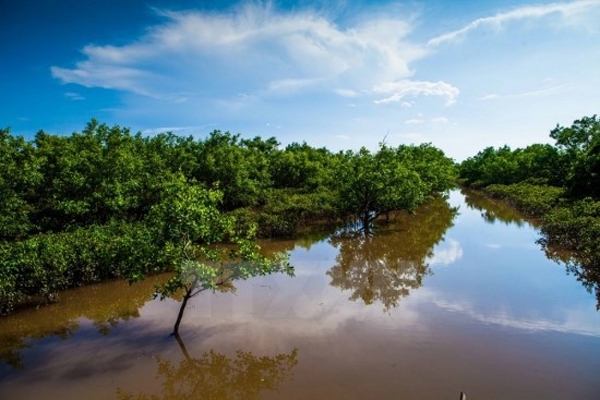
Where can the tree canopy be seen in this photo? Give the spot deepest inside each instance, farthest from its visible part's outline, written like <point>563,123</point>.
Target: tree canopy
<point>105,203</point>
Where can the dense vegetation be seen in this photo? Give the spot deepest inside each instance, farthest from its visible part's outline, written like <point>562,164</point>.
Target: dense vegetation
<point>105,203</point>
<point>559,184</point>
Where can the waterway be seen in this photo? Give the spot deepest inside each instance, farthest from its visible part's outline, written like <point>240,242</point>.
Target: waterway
<point>458,297</point>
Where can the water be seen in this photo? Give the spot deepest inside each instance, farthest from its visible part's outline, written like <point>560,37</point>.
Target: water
<point>433,304</point>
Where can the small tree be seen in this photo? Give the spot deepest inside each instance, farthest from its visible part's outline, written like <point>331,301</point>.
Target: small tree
<point>190,224</point>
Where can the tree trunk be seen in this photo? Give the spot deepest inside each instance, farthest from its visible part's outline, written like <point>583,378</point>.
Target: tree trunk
<point>187,296</point>
<point>366,224</point>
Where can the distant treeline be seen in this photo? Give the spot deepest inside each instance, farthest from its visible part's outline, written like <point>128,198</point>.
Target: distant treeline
<point>107,203</point>
<point>560,184</point>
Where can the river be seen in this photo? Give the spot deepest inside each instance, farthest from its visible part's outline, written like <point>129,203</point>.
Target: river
<point>458,297</point>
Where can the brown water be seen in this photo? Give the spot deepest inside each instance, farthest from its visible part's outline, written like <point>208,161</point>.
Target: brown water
<point>431,305</point>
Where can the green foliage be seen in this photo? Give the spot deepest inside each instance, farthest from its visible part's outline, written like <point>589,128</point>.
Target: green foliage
<point>239,168</point>
<point>536,163</point>
<point>94,176</point>
<point>575,226</point>
<point>569,210</point>
<point>300,166</point>
<point>104,203</point>
<point>37,268</point>
<point>534,200</point>
<point>581,145</point>
<point>189,212</point>
<point>375,184</point>
<point>19,174</point>
<point>435,170</point>
<point>285,210</point>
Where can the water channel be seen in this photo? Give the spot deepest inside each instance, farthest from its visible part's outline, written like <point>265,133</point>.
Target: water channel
<point>458,297</point>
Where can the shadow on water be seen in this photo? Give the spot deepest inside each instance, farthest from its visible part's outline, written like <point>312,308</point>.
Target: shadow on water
<point>383,267</point>
<point>105,305</point>
<point>217,376</point>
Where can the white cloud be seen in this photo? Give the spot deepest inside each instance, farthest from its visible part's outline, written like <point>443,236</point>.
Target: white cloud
<point>104,75</point>
<point>255,49</point>
<point>74,96</point>
<point>490,96</point>
<point>291,85</point>
<point>398,90</point>
<point>568,11</point>
<point>347,92</point>
<point>413,121</point>
<point>542,92</point>
<point>440,120</point>
<point>180,130</point>
<point>531,93</point>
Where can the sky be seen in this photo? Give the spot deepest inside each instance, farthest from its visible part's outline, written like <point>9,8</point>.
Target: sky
<point>462,75</point>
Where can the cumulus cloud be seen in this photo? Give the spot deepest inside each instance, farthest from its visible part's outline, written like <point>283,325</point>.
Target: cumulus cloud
<point>567,11</point>
<point>398,90</point>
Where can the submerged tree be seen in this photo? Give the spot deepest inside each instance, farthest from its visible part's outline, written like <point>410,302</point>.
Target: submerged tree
<point>189,221</point>
<point>375,184</point>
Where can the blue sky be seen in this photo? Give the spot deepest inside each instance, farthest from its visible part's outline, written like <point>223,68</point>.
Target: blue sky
<point>462,75</point>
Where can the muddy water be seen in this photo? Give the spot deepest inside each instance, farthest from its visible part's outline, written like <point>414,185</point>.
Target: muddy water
<point>455,298</point>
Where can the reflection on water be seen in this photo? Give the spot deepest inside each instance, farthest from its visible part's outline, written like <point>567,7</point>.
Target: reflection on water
<point>105,305</point>
<point>585,268</point>
<point>493,210</point>
<point>384,267</point>
<point>216,376</point>
<point>492,317</point>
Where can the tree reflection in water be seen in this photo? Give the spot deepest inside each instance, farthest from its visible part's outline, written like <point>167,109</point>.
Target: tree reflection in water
<point>494,210</point>
<point>216,376</point>
<point>585,265</point>
<point>105,305</point>
<point>385,266</point>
